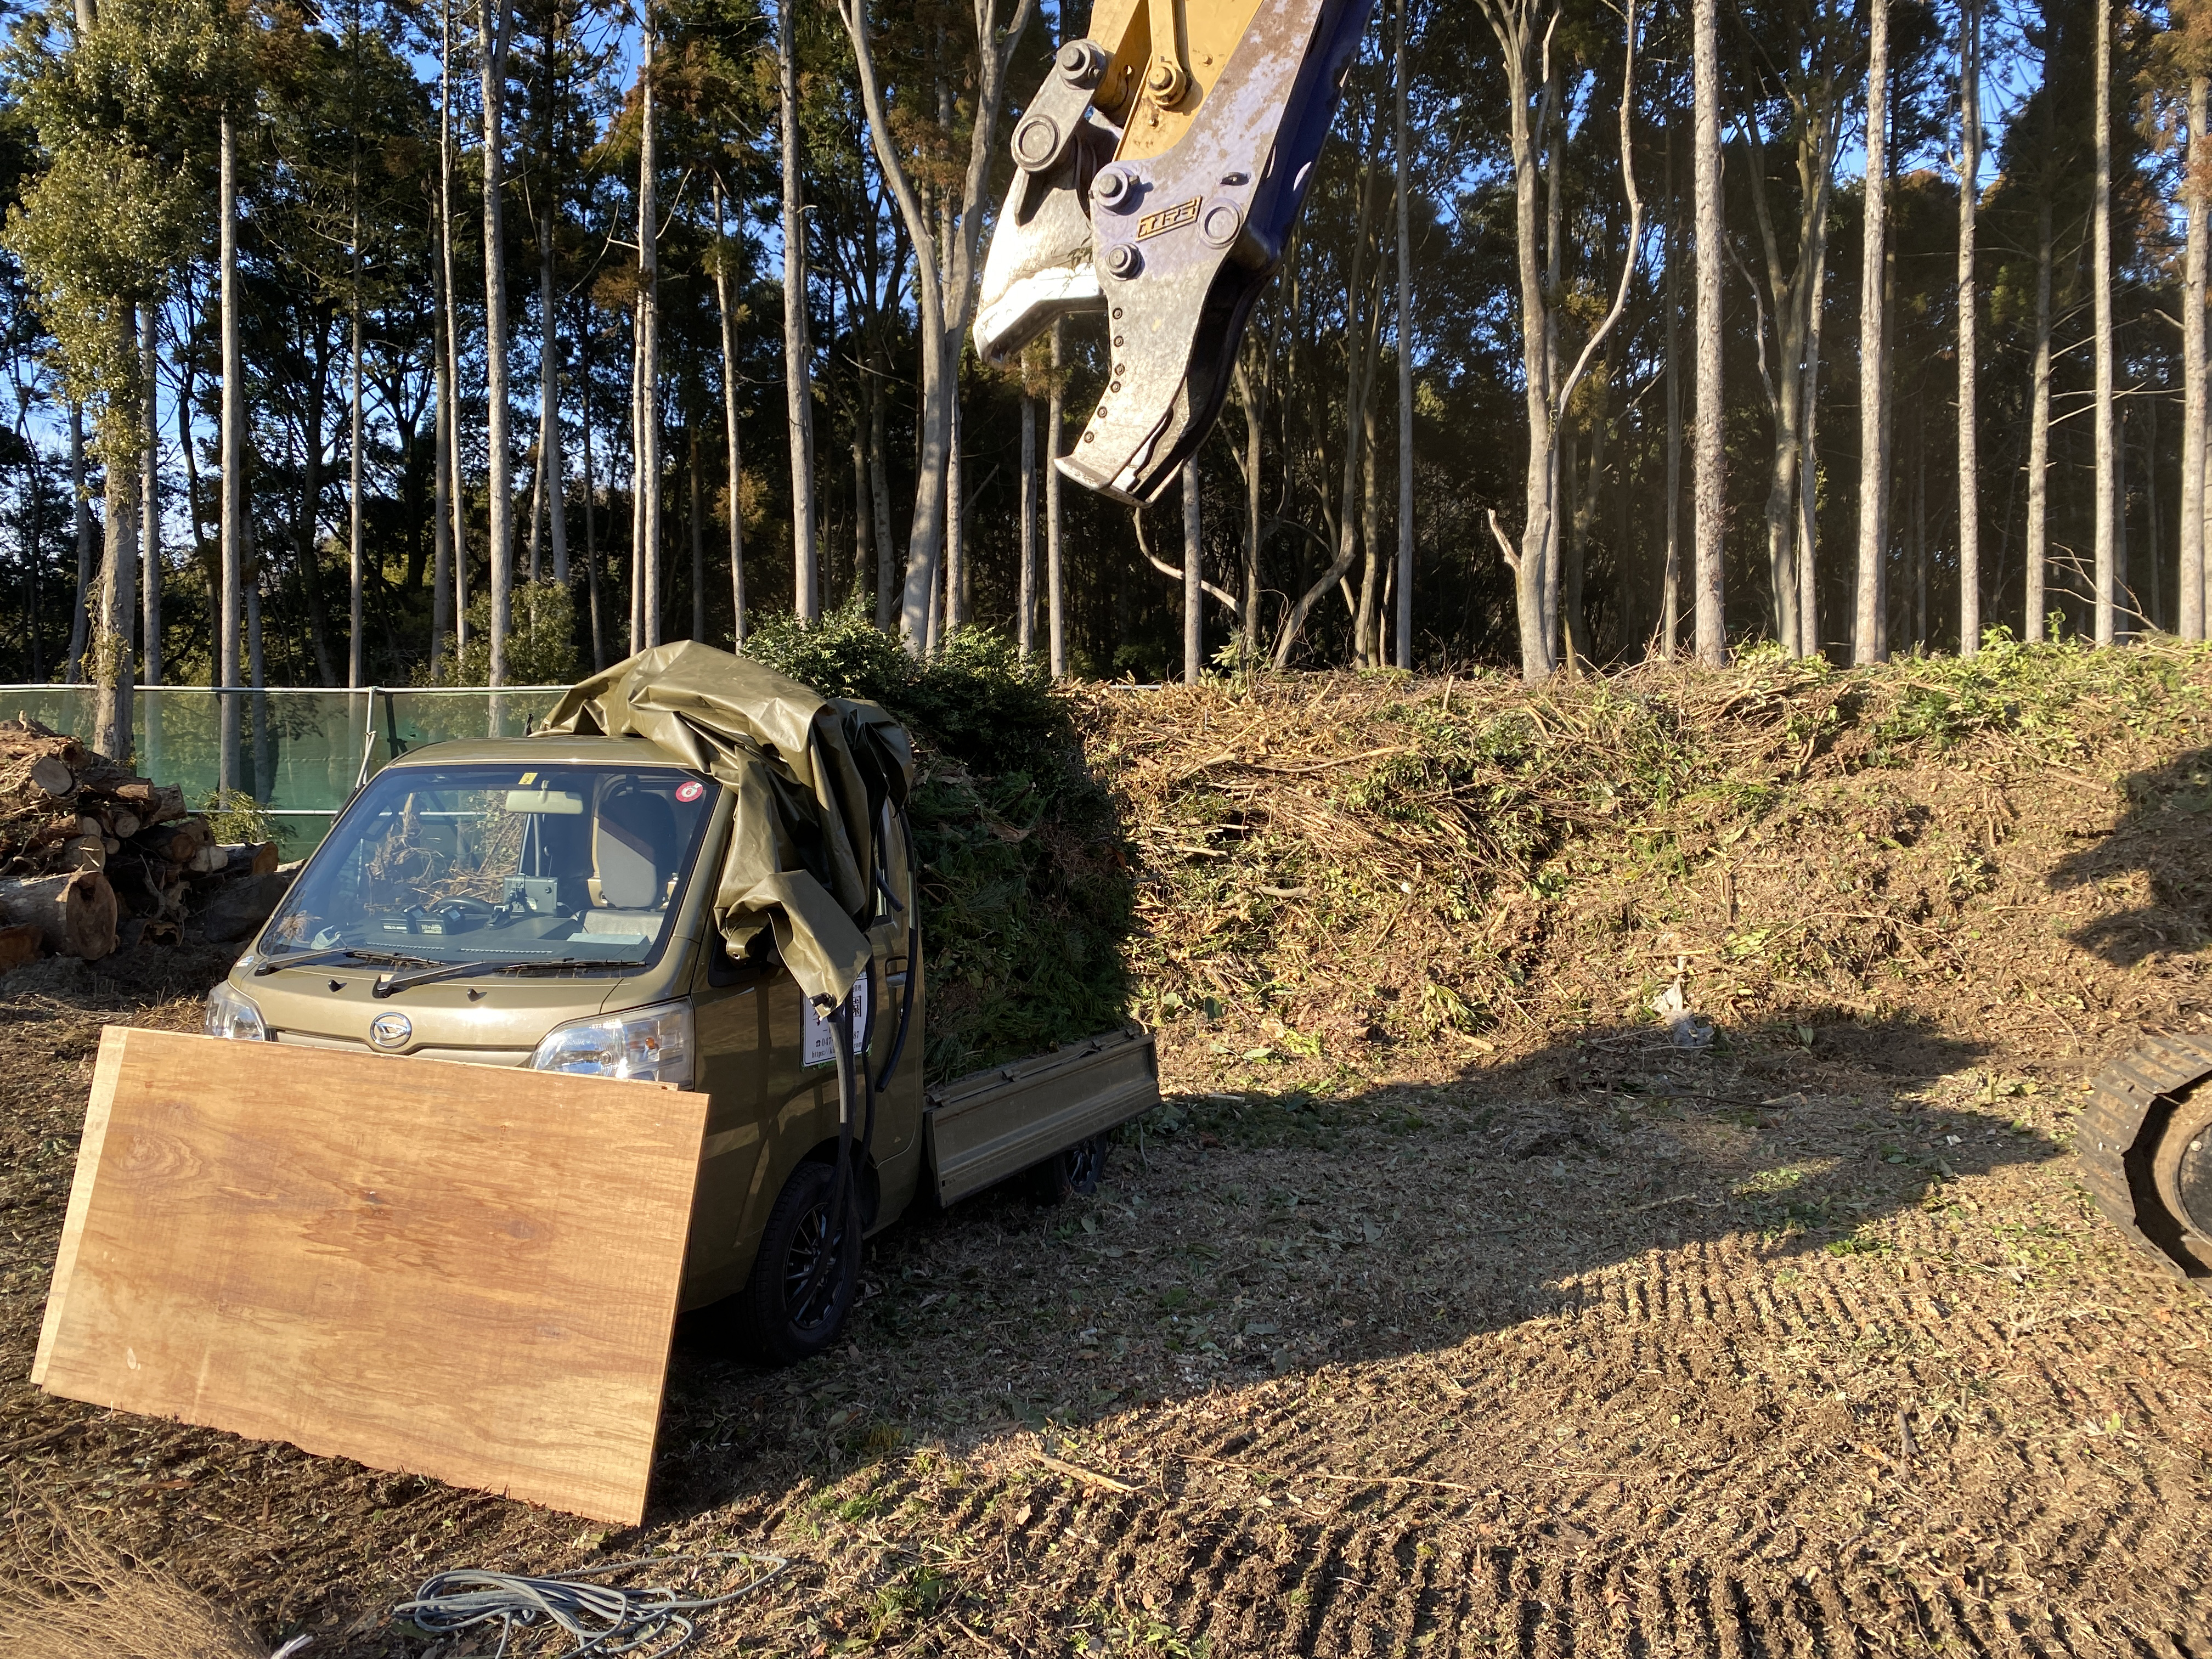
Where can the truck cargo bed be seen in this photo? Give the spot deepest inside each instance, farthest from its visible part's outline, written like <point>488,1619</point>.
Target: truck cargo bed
<point>991,1124</point>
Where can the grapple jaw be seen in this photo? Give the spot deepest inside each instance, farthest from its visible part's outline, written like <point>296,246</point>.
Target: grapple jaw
<point>1159,170</point>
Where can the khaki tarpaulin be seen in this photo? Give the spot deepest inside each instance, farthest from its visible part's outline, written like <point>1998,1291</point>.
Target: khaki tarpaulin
<point>812,776</point>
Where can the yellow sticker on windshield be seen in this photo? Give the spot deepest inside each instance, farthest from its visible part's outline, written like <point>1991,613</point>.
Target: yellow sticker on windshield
<point>528,777</point>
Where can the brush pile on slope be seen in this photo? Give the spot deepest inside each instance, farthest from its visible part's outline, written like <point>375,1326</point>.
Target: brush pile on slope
<point>1343,880</point>
<point>94,859</point>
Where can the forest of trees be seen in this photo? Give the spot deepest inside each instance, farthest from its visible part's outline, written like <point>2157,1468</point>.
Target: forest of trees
<point>449,340</point>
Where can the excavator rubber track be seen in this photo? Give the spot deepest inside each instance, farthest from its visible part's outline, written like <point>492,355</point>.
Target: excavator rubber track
<point>2144,1147</point>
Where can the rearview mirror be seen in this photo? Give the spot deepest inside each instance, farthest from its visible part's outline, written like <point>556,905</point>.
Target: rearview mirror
<point>558,802</point>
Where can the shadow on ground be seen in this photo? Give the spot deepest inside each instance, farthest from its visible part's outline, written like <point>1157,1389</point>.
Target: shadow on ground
<point>2163,834</point>
<point>1243,1235</point>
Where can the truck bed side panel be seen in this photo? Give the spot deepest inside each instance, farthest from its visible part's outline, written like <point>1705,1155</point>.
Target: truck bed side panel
<point>993,1124</point>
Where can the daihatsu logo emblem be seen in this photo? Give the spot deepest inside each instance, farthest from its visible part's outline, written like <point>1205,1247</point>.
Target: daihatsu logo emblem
<point>390,1030</point>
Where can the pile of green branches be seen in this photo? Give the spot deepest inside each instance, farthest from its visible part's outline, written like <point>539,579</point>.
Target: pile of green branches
<point>1027,900</point>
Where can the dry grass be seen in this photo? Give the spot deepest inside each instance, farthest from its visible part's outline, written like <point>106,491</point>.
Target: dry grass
<point>89,1603</point>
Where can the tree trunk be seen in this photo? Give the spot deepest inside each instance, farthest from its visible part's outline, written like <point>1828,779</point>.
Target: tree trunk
<point>1670,596</point>
<point>1054,581</point>
<point>1405,361</point>
<point>1808,584</point>
<point>552,469</point>
<point>698,533</point>
<point>451,307</point>
<point>949,616</point>
<point>149,512</point>
<point>879,484</point>
<point>730,417</point>
<point>114,651</point>
<point>81,493</point>
<point>493,22</point>
<point>232,528</point>
<point>1360,346</point>
<point>75,914</point>
<point>2100,280</point>
<point>357,632</point>
<point>1970,167</point>
<point>1025,601</point>
<point>1194,579</point>
<point>645,480</point>
<point>1708,459</point>
<point>1871,595</point>
<point>593,590</point>
<point>2036,549</point>
<point>442,538</point>
<point>2190,611</point>
<point>942,304</point>
<point>798,357</point>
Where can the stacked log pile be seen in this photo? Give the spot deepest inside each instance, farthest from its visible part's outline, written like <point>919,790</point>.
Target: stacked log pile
<point>94,859</point>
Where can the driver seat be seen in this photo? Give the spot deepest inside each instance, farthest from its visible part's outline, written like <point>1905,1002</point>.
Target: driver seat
<point>633,858</point>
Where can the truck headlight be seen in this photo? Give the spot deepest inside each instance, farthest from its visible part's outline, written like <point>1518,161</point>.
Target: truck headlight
<point>650,1044</point>
<point>231,1014</point>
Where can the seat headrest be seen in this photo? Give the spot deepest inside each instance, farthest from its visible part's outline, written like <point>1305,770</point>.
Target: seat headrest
<point>633,849</point>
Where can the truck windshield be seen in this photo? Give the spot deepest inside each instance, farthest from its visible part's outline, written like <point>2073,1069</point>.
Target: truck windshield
<point>512,862</point>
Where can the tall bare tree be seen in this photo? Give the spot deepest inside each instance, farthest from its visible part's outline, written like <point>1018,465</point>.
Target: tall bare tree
<point>550,508</point>
<point>727,314</point>
<point>2100,280</point>
<point>1055,579</point>
<point>494,21</point>
<point>449,307</point>
<point>1810,89</point>
<point>1405,321</point>
<point>1708,457</point>
<point>798,384</point>
<point>1523,29</point>
<point>1970,459</point>
<point>944,301</point>
<point>645,385</point>
<point>1872,590</point>
<point>231,532</point>
<point>2199,166</point>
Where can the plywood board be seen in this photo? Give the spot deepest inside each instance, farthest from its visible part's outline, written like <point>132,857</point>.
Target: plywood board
<point>467,1272</point>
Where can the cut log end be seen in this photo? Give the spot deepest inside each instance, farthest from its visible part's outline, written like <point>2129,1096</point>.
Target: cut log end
<point>74,913</point>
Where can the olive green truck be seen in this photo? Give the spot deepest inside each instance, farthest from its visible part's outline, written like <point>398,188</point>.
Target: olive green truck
<point>698,872</point>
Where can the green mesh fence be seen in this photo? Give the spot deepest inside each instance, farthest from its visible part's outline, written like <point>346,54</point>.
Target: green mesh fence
<point>301,753</point>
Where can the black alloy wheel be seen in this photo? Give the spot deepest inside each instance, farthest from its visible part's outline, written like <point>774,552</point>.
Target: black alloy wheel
<point>796,1302</point>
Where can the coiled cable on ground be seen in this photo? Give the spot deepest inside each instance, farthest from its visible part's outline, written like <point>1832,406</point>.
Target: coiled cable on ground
<point>604,1618</point>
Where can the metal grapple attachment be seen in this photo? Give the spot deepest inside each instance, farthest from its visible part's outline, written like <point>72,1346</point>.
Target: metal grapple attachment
<point>1159,169</point>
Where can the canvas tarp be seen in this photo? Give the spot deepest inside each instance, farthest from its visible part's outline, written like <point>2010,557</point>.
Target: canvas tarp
<point>812,776</point>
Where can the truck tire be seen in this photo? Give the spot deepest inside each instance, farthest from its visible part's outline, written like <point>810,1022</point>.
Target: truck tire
<point>2144,1145</point>
<point>772,1329</point>
<point>1073,1173</point>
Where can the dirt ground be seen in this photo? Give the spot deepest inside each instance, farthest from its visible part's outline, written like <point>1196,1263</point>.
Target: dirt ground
<point>1808,1344</point>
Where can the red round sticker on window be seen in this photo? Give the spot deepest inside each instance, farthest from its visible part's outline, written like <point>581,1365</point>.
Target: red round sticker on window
<point>689,791</point>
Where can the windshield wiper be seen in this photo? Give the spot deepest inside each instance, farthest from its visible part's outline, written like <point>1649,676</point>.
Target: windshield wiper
<point>394,984</point>
<point>343,953</point>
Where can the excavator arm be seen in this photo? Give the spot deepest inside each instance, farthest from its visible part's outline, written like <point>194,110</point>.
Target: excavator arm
<point>1159,171</point>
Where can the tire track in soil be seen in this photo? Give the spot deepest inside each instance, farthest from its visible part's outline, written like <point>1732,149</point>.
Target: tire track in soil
<point>1702,1320</point>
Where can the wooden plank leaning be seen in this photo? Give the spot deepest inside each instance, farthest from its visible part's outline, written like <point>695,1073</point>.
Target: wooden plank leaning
<point>465,1272</point>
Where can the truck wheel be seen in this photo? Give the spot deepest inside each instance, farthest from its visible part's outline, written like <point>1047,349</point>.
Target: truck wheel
<point>1074,1173</point>
<point>2144,1143</point>
<point>778,1328</point>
